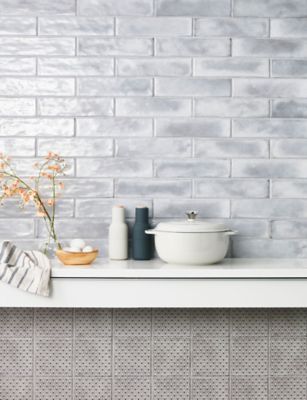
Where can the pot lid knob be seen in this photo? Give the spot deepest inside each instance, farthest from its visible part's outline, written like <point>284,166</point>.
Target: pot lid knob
<point>191,215</point>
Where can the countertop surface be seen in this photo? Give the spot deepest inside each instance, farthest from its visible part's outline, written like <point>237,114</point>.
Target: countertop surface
<point>229,268</point>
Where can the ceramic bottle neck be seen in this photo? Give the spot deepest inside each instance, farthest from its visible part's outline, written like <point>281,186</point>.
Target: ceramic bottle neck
<point>118,214</point>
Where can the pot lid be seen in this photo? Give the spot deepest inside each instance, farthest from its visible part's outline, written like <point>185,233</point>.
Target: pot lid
<point>191,225</point>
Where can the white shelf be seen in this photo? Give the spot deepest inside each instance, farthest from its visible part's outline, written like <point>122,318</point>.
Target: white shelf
<point>132,284</point>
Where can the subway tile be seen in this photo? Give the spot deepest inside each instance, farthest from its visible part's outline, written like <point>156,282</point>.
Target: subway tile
<point>25,166</point>
<point>249,355</point>
<point>192,168</point>
<point>288,387</point>
<point>231,107</point>
<point>153,66</point>
<point>77,147</point>
<point>16,323</point>
<point>17,66</point>
<point>136,322</point>
<point>291,188</point>
<point>206,208</point>
<point>270,87</point>
<point>93,388</point>
<point>206,8</point>
<point>37,46</point>
<point>234,27</point>
<point>231,148</point>
<point>152,188</point>
<point>269,168</point>
<point>269,47</point>
<point>83,188</point>
<point>153,147</point>
<point>64,207</point>
<point>245,322</point>
<point>271,128</point>
<point>37,87</point>
<point>75,26</point>
<point>192,87</point>
<point>155,106</point>
<point>168,387</point>
<point>193,127</point>
<point>289,108</point>
<point>75,106</point>
<point>254,228</point>
<point>93,357</point>
<point>231,66</point>
<point>215,388</point>
<point>252,247</point>
<point>76,66</point>
<point>114,168</point>
<point>53,388</point>
<point>154,26</point>
<point>120,127</point>
<point>171,322</point>
<point>36,7</point>
<point>270,8</point>
<point>294,229</point>
<point>171,356</point>
<point>102,208</point>
<point>17,26</point>
<point>210,356</point>
<point>53,357</point>
<point>269,208</point>
<point>70,228</point>
<point>249,387</point>
<point>36,127</point>
<point>289,27</point>
<point>115,46</point>
<point>16,107</point>
<point>119,7</point>
<point>288,322</point>
<point>210,322</point>
<point>192,47</point>
<point>132,388</point>
<point>114,86</point>
<point>93,322</point>
<point>16,358</point>
<point>289,148</point>
<point>53,323</point>
<point>231,188</point>
<point>288,356</point>
<point>18,147</point>
<point>289,68</point>
<point>16,388</point>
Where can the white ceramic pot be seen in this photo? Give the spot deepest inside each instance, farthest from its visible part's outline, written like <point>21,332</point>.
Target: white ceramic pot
<point>192,242</point>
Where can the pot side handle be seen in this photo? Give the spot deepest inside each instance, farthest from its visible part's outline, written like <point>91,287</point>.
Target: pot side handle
<point>231,233</point>
<point>150,231</point>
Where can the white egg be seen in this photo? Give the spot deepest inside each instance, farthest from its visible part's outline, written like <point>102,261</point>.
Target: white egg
<point>77,243</point>
<point>67,249</point>
<point>87,249</point>
<point>75,249</point>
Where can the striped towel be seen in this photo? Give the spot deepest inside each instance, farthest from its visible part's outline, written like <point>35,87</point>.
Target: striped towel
<point>26,270</point>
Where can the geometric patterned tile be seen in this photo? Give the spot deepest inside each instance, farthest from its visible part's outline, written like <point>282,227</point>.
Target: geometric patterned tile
<point>132,356</point>
<point>93,388</point>
<point>173,322</point>
<point>213,388</point>
<point>171,356</point>
<point>210,322</point>
<point>53,389</point>
<point>95,322</point>
<point>53,322</point>
<point>131,388</point>
<point>249,355</point>
<point>16,357</point>
<point>288,388</point>
<point>136,322</point>
<point>15,388</point>
<point>249,387</point>
<point>16,322</point>
<point>290,322</point>
<point>53,357</point>
<point>170,388</point>
<point>288,356</point>
<point>247,322</point>
<point>210,356</point>
<point>93,357</point>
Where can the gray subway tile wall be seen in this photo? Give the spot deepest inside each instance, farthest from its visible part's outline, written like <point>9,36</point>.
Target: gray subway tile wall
<point>145,354</point>
<point>154,99</point>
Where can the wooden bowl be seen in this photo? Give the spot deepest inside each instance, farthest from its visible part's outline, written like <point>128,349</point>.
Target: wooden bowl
<point>68,258</point>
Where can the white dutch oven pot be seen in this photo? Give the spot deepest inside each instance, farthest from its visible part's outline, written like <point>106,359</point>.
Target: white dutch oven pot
<point>192,242</point>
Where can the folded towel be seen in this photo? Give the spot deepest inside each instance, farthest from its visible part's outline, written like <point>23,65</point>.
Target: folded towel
<point>26,270</point>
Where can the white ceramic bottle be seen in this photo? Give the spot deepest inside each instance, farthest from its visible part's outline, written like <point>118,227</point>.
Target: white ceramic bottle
<point>118,235</point>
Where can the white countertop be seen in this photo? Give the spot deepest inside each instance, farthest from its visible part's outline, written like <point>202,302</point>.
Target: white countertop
<point>156,269</point>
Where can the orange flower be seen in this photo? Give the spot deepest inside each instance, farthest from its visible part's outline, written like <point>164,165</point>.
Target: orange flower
<point>56,168</point>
